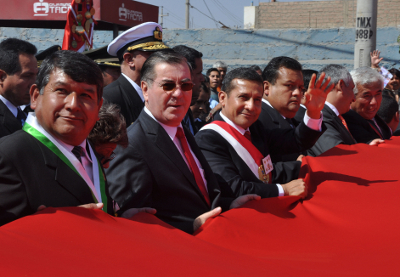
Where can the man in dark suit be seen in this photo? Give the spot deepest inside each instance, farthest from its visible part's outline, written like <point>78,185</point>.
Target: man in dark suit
<point>283,91</point>
<point>337,103</point>
<point>59,168</point>
<point>238,148</point>
<point>307,74</point>
<point>18,70</point>
<point>362,119</point>
<point>194,59</point>
<point>132,48</point>
<point>162,166</point>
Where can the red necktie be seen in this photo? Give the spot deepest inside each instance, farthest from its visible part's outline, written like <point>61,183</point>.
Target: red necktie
<point>343,121</point>
<point>192,164</point>
<point>247,135</point>
<point>345,125</point>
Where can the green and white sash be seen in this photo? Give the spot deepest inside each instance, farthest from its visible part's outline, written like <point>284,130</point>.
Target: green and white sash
<point>97,186</point>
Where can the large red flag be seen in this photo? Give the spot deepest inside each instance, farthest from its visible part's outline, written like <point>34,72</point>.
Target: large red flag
<point>78,34</point>
<point>348,226</point>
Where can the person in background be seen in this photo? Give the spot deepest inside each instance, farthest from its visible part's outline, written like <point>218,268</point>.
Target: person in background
<point>362,119</point>
<point>389,112</point>
<point>307,73</point>
<point>214,77</point>
<point>257,69</point>
<point>18,70</point>
<point>201,108</point>
<point>222,68</point>
<point>108,132</point>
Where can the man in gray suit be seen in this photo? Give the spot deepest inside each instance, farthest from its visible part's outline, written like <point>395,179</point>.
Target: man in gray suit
<point>337,103</point>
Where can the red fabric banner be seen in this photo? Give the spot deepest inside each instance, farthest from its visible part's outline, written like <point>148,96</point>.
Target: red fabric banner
<point>347,227</point>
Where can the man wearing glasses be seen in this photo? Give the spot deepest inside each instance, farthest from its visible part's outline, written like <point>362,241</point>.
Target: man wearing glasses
<point>162,167</point>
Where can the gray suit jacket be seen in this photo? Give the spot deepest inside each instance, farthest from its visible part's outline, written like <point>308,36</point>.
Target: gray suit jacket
<point>335,134</point>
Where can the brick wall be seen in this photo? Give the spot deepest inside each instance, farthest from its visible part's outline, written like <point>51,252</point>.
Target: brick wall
<point>322,14</point>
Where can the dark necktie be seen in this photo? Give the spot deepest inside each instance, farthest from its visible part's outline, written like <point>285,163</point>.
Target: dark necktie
<point>289,120</point>
<point>21,116</point>
<point>247,135</point>
<point>78,152</point>
<point>192,164</point>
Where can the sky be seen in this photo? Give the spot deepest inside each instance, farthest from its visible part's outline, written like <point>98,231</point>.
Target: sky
<point>228,12</point>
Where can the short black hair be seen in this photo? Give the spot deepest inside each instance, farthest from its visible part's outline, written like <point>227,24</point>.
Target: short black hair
<point>77,66</point>
<point>271,71</point>
<point>395,72</point>
<point>255,67</point>
<point>388,108</point>
<point>243,73</point>
<point>211,70</point>
<point>307,73</point>
<point>10,49</point>
<point>189,53</point>
<point>169,57</point>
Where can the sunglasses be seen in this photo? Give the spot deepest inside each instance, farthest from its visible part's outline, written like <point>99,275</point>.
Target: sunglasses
<point>171,86</point>
<point>105,160</point>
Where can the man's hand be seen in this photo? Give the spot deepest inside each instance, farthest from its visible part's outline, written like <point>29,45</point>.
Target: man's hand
<point>131,212</point>
<point>316,95</point>
<point>92,206</point>
<point>243,200</point>
<point>375,60</point>
<point>295,188</point>
<point>376,142</point>
<point>300,158</point>
<point>201,219</point>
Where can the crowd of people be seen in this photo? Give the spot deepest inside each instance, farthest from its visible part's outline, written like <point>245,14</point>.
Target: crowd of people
<point>165,139</point>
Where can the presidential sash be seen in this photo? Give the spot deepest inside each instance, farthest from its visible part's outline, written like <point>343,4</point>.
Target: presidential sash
<point>33,128</point>
<point>243,147</point>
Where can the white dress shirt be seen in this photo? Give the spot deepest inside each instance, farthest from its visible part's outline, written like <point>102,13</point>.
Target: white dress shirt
<point>333,108</point>
<point>136,86</point>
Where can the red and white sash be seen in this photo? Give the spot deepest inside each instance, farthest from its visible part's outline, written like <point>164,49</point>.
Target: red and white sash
<point>243,147</point>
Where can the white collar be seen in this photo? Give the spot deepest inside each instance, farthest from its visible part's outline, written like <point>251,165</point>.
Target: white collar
<point>171,131</point>
<point>227,120</point>
<point>269,104</point>
<point>333,108</point>
<point>9,105</point>
<point>136,86</point>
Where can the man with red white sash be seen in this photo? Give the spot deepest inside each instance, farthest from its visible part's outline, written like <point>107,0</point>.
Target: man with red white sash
<point>238,147</point>
<point>49,163</point>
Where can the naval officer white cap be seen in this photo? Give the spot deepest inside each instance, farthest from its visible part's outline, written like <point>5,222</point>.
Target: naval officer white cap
<point>144,37</point>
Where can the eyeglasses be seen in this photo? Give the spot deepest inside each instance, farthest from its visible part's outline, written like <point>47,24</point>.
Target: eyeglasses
<point>171,86</point>
<point>104,160</point>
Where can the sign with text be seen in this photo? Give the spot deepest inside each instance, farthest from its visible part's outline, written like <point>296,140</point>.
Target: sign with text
<point>122,12</point>
<point>364,28</point>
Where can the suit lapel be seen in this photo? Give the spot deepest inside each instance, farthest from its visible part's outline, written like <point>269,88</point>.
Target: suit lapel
<point>132,99</point>
<point>156,133</point>
<point>66,177</point>
<point>330,115</point>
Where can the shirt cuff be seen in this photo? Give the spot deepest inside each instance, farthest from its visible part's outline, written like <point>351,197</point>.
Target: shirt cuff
<point>314,124</point>
<point>281,192</point>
